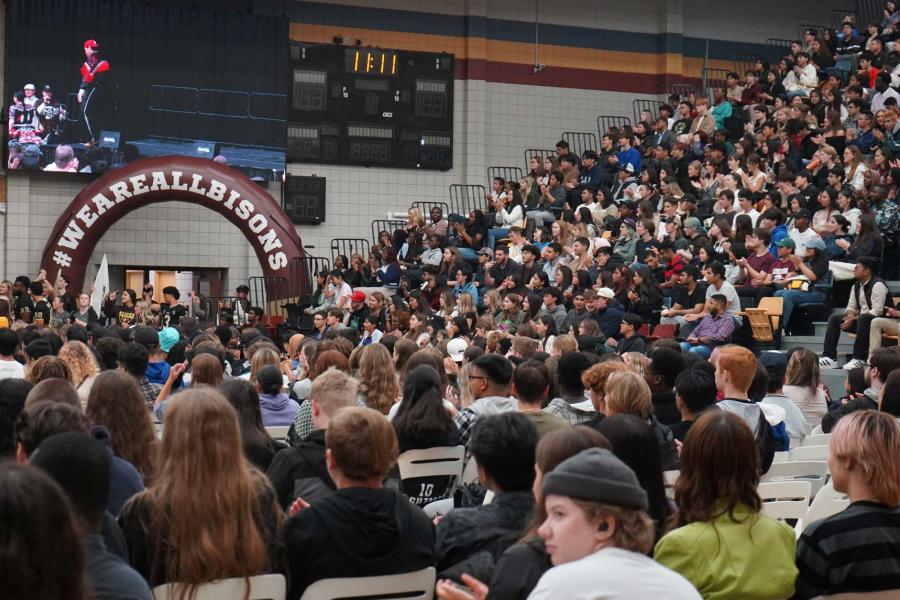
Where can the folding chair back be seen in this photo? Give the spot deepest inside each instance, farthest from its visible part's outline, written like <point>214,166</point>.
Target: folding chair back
<point>805,452</point>
<point>262,587</point>
<point>820,439</point>
<point>826,503</point>
<point>418,585</point>
<point>431,474</point>
<point>808,470</point>
<point>278,432</point>
<point>760,324</point>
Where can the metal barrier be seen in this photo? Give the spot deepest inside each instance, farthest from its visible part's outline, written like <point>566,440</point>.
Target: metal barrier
<point>605,123</point>
<point>713,78</point>
<point>745,62</point>
<point>579,141</point>
<point>348,246</point>
<point>776,49</point>
<point>270,294</point>
<point>236,104</point>
<point>507,173</point>
<point>466,198</point>
<point>684,90</point>
<point>540,154</point>
<point>389,225</point>
<point>215,305</point>
<point>426,205</point>
<point>868,11</point>
<point>303,271</point>
<point>838,17</point>
<point>642,105</point>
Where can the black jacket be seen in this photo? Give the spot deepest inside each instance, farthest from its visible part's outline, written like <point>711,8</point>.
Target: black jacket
<point>300,471</point>
<point>357,532</point>
<point>492,527</point>
<point>519,569</point>
<point>861,403</point>
<point>665,409</point>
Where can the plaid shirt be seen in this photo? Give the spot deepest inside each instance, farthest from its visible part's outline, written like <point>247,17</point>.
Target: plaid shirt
<point>149,390</point>
<point>718,329</point>
<point>490,405</point>
<point>570,414</point>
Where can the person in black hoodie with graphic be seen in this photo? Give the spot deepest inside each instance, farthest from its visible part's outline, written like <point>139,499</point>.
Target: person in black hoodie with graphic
<point>363,529</point>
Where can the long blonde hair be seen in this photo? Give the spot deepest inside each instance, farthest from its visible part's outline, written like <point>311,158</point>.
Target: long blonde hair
<point>80,360</point>
<point>217,533</point>
<point>377,378</point>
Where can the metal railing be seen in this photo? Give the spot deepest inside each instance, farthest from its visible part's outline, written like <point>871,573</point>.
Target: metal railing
<point>579,141</point>
<point>605,123</point>
<point>466,198</point>
<point>507,173</point>
<point>389,225</point>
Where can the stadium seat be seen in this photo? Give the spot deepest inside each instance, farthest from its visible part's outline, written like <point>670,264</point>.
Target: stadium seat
<point>262,587</point>
<point>418,585</point>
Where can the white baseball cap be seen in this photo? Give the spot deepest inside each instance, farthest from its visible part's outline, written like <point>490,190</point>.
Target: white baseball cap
<point>605,292</point>
<point>456,348</point>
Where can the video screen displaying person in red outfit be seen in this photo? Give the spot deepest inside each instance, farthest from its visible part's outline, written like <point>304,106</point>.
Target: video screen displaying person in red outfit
<point>91,92</point>
<point>126,80</point>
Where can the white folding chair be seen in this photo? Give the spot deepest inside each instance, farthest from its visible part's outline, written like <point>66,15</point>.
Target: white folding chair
<point>441,461</point>
<point>785,500</point>
<point>826,503</point>
<point>470,473</point>
<point>488,497</point>
<point>438,508</point>
<point>669,479</point>
<point>820,439</point>
<point>278,433</point>
<point>813,471</point>
<point>158,428</point>
<point>808,453</point>
<point>817,430</point>
<point>262,587</point>
<point>780,457</point>
<point>418,585</point>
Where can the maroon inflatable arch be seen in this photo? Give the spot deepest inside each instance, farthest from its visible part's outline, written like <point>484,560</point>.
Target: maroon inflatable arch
<point>148,181</point>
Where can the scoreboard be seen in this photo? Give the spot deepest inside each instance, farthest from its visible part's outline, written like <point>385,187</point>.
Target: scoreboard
<point>372,107</point>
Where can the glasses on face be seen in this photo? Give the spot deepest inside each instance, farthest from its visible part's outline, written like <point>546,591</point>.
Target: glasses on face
<point>477,377</point>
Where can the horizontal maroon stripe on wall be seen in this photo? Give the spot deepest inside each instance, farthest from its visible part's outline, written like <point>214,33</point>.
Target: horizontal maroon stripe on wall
<point>562,77</point>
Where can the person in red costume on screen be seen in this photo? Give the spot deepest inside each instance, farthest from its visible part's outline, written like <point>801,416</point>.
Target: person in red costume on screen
<point>90,94</point>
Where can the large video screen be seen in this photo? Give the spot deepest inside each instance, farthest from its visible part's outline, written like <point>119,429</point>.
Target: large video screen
<point>95,84</point>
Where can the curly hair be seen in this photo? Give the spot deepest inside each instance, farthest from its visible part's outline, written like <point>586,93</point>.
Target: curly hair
<point>80,360</point>
<point>377,378</point>
<point>47,367</point>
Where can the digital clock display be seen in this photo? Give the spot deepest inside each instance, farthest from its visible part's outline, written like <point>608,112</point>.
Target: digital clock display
<point>371,107</point>
<point>370,61</point>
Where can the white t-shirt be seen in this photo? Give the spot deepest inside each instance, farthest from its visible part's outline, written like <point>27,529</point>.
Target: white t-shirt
<point>343,292</point>
<point>734,301</point>
<point>11,369</point>
<point>613,574</point>
<point>801,238</point>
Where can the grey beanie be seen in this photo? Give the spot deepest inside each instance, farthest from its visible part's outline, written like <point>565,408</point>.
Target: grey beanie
<point>596,475</point>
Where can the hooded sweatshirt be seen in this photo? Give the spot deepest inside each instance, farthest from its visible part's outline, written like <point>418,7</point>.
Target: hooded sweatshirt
<point>157,372</point>
<point>357,532</point>
<point>278,410</point>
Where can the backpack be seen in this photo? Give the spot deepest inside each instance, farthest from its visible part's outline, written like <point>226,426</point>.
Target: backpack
<point>765,441</point>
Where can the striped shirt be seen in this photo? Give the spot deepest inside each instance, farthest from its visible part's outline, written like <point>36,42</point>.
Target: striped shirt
<point>856,550</point>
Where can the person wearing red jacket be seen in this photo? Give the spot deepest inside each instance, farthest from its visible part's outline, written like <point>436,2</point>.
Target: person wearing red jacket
<point>90,94</point>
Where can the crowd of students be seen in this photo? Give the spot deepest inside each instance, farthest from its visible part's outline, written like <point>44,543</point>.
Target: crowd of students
<point>522,332</point>
<point>571,444</point>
